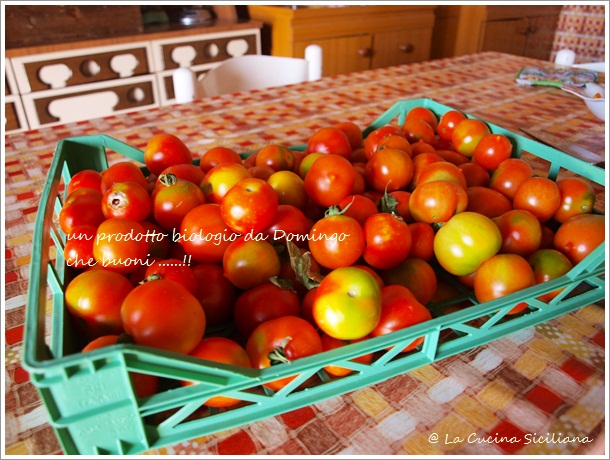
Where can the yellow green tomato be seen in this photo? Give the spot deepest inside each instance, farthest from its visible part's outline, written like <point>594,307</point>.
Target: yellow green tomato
<point>347,304</point>
<point>466,241</point>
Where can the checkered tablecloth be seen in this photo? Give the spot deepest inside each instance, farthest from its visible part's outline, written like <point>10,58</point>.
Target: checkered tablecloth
<point>532,392</point>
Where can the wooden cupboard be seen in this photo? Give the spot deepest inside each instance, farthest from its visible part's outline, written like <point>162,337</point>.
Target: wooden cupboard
<point>352,38</point>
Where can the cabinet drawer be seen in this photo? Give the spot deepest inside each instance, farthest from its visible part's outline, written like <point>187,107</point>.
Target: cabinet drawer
<point>14,115</point>
<point>204,49</point>
<point>96,100</point>
<point>342,54</point>
<point>397,47</point>
<point>66,69</point>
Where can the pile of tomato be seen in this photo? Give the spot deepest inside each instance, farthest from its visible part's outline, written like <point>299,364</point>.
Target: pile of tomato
<point>306,251</point>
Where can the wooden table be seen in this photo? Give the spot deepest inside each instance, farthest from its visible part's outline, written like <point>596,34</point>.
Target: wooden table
<point>547,379</point>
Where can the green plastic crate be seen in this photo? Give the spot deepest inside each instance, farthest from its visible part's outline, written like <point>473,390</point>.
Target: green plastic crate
<point>89,397</point>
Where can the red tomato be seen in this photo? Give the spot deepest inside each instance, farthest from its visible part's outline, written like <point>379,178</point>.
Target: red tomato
<point>330,140</point>
<point>218,180</point>
<point>78,251</point>
<point>127,200</point>
<point>330,343</point>
<point>400,199</point>
<point>249,206</point>
<point>492,150</point>
<point>451,156</point>
<point>388,170</point>
<point>396,142</point>
<point>144,385</point>
<point>184,171</point>
<point>262,303</point>
<point>225,351</point>
<point>417,129</point>
<point>94,298</point>
<point>501,275</point>
<point>353,133</point>
<point>521,232</point>
<point>421,147</point>
<point>336,241</point>
<point>307,161</point>
<point>87,178</point>
<point>475,174</point>
<point>277,157</point>
<point>437,201</point>
<point>289,224</point>
<point>173,199</point>
<point>509,175</point>
<point>442,170</point>
<point>215,293</point>
<point>375,137</point>
<point>415,274</point>
<point>279,341</point>
<point>218,155</point>
<point>160,241</point>
<point>204,234</point>
<point>400,309</point>
<point>577,197</point>
<point>175,270</point>
<point>165,150</point>
<point>487,201</point>
<point>447,123</point>
<point>467,134</point>
<point>163,314</point>
<point>549,264</point>
<point>82,207</point>
<point>423,113</point>
<point>261,172</point>
<point>330,179</point>
<point>538,195</point>
<point>579,235</point>
<point>419,163</point>
<point>387,240</point>
<point>123,171</point>
<point>466,241</point>
<point>248,262</point>
<point>422,241</point>
<point>121,245</point>
<point>359,207</point>
<point>347,305</point>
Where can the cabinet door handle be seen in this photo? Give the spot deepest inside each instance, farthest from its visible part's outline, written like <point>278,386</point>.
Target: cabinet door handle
<point>408,48</point>
<point>365,52</point>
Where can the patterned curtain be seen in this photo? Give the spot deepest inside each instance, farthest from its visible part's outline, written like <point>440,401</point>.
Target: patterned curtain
<point>581,28</point>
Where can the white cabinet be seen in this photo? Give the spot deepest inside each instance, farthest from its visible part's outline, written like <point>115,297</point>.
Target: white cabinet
<point>14,115</point>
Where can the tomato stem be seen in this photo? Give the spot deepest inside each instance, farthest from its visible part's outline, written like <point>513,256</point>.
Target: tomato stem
<point>168,179</point>
<point>278,355</point>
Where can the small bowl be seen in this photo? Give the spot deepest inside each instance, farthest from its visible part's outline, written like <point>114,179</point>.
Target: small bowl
<point>597,106</point>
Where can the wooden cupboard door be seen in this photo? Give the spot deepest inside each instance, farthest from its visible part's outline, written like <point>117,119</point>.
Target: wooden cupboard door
<point>507,36</point>
<point>397,47</point>
<point>341,55</point>
<point>541,37</point>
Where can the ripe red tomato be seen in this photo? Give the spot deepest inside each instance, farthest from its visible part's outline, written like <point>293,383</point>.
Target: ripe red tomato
<point>330,179</point>
<point>423,113</point>
<point>421,147</point>
<point>422,241</point>
<point>204,234</point>
<point>577,197</point>
<point>419,163</point>
<point>215,293</point>
<point>415,274</point>
<point>347,305</point>
<point>218,180</point>
<point>389,169</point>
<point>78,250</point>
<point>359,207</point>
<point>538,195</point>
<point>123,171</point>
<point>248,262</point>
<point>262,303</point>
<point>492,150</point>
<point>475,174</point>
<point>466,241</point>
<point>163,314</point>
<point>396,142</point>
<point>447,123</point>
<point>160,242</point>
<point>127,200</point>
<point>94,299</point>
<point>279,341</point>
<point>249,206</point>
<point>400,309</point>
<point>387,240</point>
<point>144,385</point>
<point>549,264</point>
<point>225,351</point>
<point>353,133</point>
<point>501,275</point>
<point>121,245</point>
<point>173,199</point>
<point>172,269</point>
<point>579,235</point>
<point>442,170</point>
<point>417,129</point>
<point>164,150</point>
<point>289,224</point>
<point>487,201</point>
<point>400,199</point>
<point>375,137</point>
<point>330,343</point>
<point>521,232</point>
<point>184,171</point>
<point>87,178</point>
<point>82,207</point>
<point>336,241</point>
<point>330,140</point>
<point>509,175</point>
<point>218,155</point>
<point>437,201</point>
<point>276,156</point>
<point>467,134</point>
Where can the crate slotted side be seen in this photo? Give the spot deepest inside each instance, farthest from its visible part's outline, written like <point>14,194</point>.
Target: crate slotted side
<point>90,399</point>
